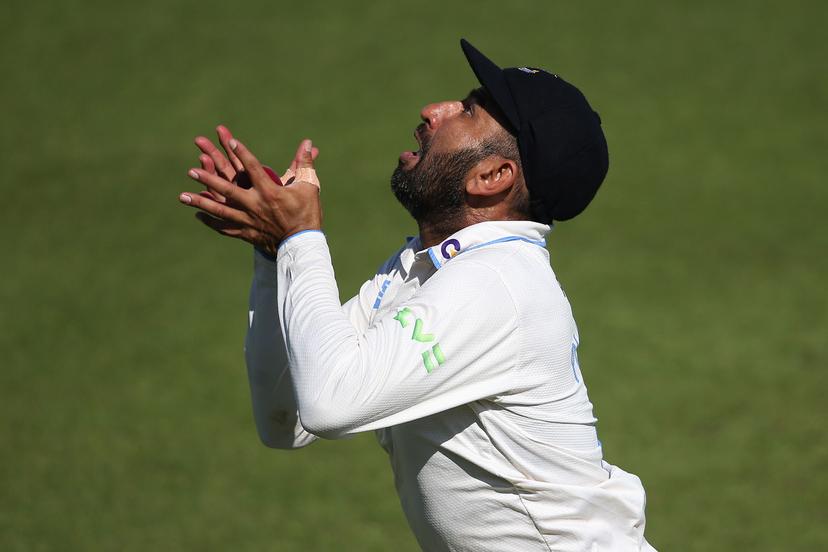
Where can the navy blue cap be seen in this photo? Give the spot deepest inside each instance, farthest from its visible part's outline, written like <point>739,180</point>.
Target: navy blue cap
<point>562,147</point>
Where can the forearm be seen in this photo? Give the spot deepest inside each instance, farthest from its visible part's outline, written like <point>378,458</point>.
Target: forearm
<point>321,340</point>
<point>271,389</point>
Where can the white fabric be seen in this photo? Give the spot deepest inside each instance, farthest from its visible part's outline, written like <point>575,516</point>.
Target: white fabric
<point>463,358</point>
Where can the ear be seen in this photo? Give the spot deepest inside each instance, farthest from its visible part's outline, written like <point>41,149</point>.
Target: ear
<point>491,176</point>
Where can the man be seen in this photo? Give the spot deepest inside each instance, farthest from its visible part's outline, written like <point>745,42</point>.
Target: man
<point>461,352</point>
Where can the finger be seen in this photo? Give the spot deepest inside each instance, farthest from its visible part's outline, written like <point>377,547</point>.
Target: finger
<point>304,166</point>
<point>207,163</point>
<point>218,210</point>
<point>230,193</point>
<point>258,176</point>
<point>290,173</point>
<point>212,195</point>
<point>223,227</point>
<point>222,165</point>
<point>304,155</point>
<point>299,153</point>
<point>225,137</point>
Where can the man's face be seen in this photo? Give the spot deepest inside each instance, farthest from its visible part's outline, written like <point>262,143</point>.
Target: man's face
<point>430,182</point>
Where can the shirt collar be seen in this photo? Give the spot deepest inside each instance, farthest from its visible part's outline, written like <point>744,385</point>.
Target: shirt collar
<point>480,235</point>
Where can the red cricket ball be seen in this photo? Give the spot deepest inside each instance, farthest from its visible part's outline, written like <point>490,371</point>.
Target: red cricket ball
<point>242,179</point>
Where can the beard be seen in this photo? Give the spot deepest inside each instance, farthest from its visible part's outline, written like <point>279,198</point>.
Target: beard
<point>433,192</point>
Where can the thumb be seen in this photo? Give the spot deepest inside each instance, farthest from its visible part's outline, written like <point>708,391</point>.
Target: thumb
<point>305,155</point>
<point>304,163</point>
<point>298,155</point>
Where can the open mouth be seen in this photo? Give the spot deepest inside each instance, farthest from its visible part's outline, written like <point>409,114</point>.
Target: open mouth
<point>411,158</point>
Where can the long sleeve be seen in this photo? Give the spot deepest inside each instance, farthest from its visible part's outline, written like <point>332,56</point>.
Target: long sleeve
<point>271,389</point>
<point>421,359</point>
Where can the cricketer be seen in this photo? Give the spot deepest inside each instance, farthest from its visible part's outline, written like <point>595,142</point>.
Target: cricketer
<point>461,351</point>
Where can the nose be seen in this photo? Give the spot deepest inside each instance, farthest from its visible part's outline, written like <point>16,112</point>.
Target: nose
<point>435,114</point>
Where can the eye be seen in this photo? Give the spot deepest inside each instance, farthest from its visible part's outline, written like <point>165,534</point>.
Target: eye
<point>468,108</point>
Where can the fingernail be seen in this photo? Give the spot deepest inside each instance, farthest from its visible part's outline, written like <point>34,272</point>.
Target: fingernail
<point>193,174</point>
<point>233,144</point>
<point>308,146</point>
<point>185,198</point>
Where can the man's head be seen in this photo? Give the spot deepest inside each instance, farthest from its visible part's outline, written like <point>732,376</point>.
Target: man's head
<point>467,167</point>
<point>526,145</point>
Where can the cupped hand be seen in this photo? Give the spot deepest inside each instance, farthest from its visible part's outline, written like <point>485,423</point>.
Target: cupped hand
<point>228,165</point>
<point>265,214</point>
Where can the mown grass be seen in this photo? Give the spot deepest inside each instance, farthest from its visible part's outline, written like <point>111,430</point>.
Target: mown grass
<point>697,277</point>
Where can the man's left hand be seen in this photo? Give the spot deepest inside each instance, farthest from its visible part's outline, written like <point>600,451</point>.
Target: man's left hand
<point>265,214</point>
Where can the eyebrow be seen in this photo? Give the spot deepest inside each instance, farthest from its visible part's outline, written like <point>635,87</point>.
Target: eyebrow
<point>481,97</point>
<point>478,96</point>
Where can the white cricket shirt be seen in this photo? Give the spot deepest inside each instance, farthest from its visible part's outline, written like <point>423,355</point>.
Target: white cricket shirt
<point>463,358</point>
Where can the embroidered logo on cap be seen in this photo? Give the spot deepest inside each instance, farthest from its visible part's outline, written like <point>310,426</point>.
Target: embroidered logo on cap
<point>533,71</point>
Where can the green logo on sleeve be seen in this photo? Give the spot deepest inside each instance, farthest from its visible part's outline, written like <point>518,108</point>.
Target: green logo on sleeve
<point>430,356</point>
<point>404,317</point>
<point>436,353</point>
<point>419,335</point>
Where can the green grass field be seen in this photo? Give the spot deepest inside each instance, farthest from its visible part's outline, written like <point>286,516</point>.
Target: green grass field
<point>698,276</point>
